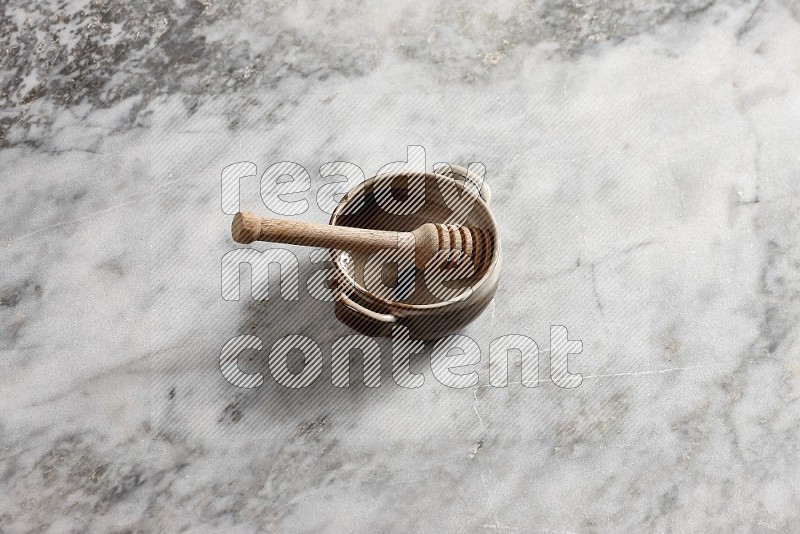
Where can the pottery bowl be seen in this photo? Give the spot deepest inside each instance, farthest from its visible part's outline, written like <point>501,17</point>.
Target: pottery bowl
<point>448,199</point>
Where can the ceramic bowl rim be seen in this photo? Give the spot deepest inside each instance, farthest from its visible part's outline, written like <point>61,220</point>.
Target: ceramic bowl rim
<point>466,296</point>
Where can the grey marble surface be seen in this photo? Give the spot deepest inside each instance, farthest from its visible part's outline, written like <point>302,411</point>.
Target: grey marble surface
<point>643,159</point>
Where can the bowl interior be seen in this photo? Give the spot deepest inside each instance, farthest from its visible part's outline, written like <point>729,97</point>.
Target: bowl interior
<point>445,201</point>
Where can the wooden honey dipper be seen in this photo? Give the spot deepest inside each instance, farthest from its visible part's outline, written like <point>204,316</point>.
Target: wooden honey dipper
<point>426,241</point>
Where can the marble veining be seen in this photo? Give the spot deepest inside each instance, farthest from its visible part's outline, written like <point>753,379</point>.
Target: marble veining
<point>643,164</point>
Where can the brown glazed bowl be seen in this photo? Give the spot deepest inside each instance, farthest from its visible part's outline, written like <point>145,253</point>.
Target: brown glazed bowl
<point>425,316</point>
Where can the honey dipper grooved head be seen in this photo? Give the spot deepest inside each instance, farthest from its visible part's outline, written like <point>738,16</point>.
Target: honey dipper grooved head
<point>455,244</point>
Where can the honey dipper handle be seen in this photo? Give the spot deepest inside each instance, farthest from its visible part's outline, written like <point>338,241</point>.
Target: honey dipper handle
<point>248,227</point>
